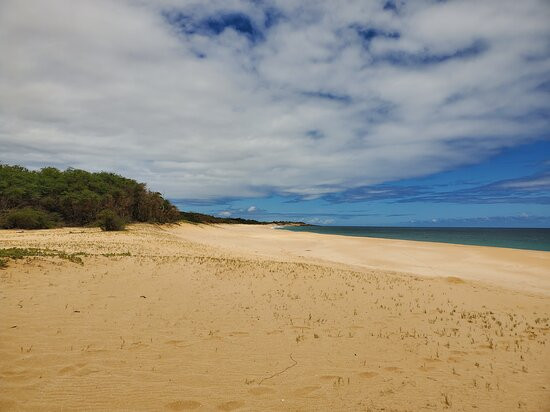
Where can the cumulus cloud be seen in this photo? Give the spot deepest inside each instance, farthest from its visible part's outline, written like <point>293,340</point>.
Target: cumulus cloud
<point>221,99</point>
<point>319,221</point>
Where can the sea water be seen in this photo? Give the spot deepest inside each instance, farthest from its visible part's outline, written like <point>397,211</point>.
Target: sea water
<point>517,238</point>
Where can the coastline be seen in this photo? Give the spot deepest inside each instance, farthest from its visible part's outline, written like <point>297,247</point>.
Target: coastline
<point>516,269</point>
<point>180,317</point>
<point>510,238</point>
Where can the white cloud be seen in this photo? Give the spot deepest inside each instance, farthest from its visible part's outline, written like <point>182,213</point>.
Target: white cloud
<point>319,221</point>
<point>251,209</point>
<point>310,109</point>
<point>540,182</point>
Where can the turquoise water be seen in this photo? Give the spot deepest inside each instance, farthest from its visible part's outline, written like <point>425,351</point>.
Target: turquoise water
<point>531,239</point>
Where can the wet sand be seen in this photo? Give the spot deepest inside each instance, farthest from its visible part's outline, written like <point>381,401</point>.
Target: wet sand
<point>251,318</point>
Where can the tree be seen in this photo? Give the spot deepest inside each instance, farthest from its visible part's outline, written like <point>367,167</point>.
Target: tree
<point>78,196</point>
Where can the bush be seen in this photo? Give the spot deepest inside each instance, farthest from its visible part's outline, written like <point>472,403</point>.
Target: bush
<point>110,221</point>
<point>28,218</point>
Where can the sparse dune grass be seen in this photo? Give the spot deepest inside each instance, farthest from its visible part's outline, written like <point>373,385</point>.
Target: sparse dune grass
<point>16,253</point>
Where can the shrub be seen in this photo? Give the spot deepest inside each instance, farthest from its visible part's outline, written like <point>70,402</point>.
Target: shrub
<point>28,218</point>
<point>77,196</point>
<point>109,221</point>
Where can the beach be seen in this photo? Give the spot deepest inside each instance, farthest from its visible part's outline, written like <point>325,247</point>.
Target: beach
<point>247,317</point>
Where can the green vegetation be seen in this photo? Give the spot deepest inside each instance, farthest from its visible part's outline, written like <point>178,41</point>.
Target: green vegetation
<point>193,217</point>
<point>19,253</point>
<point>47,198</point>
<point>116,254</point>
<point>51,197</point>
<point>28,218</point>
<point>110,221</point>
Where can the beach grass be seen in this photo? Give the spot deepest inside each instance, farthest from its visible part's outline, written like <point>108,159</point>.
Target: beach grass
<point>16,253</point>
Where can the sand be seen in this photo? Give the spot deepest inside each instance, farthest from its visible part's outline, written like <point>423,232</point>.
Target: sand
<point>252,318</point>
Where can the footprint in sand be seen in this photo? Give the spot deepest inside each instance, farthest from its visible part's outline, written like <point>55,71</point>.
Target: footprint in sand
<point>183,405</point>
<point>77,370</point>
<point>85,372</point>
<point>66,370</point>
<point>176,343</point>
<point>238,334</point>
<point>306,390</point>
<point>455,280</point>
<point>330,377</point>
<point>138,345</point>
<point>368,374</point>
<point>231,405</point>
<point>392,369</point>
<point>260,390</point>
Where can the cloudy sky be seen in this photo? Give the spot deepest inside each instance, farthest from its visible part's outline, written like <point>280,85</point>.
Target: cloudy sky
<point>334,112</point>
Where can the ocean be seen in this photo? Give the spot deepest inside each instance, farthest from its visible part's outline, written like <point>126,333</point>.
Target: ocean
<point>516,238</point>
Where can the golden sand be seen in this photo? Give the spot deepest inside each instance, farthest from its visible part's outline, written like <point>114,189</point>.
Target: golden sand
<point>251,318</point>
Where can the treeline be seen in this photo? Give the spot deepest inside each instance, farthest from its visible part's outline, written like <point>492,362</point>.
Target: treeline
<point>195,217</point>
<point>75,197</point>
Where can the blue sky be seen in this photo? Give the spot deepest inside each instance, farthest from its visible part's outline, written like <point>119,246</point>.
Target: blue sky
<point>510,189</point>
<point>373,112</point>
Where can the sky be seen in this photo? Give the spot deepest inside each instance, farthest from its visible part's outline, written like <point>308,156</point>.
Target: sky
<point>339,113</point>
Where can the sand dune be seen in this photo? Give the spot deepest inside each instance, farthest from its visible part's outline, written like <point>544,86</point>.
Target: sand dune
<point>250,318</point>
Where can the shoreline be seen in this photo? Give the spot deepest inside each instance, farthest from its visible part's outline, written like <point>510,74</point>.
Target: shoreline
<point>516,269</point>
<point>424,240</point>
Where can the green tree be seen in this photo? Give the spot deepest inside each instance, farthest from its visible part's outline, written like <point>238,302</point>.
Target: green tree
<point>78,196</point>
